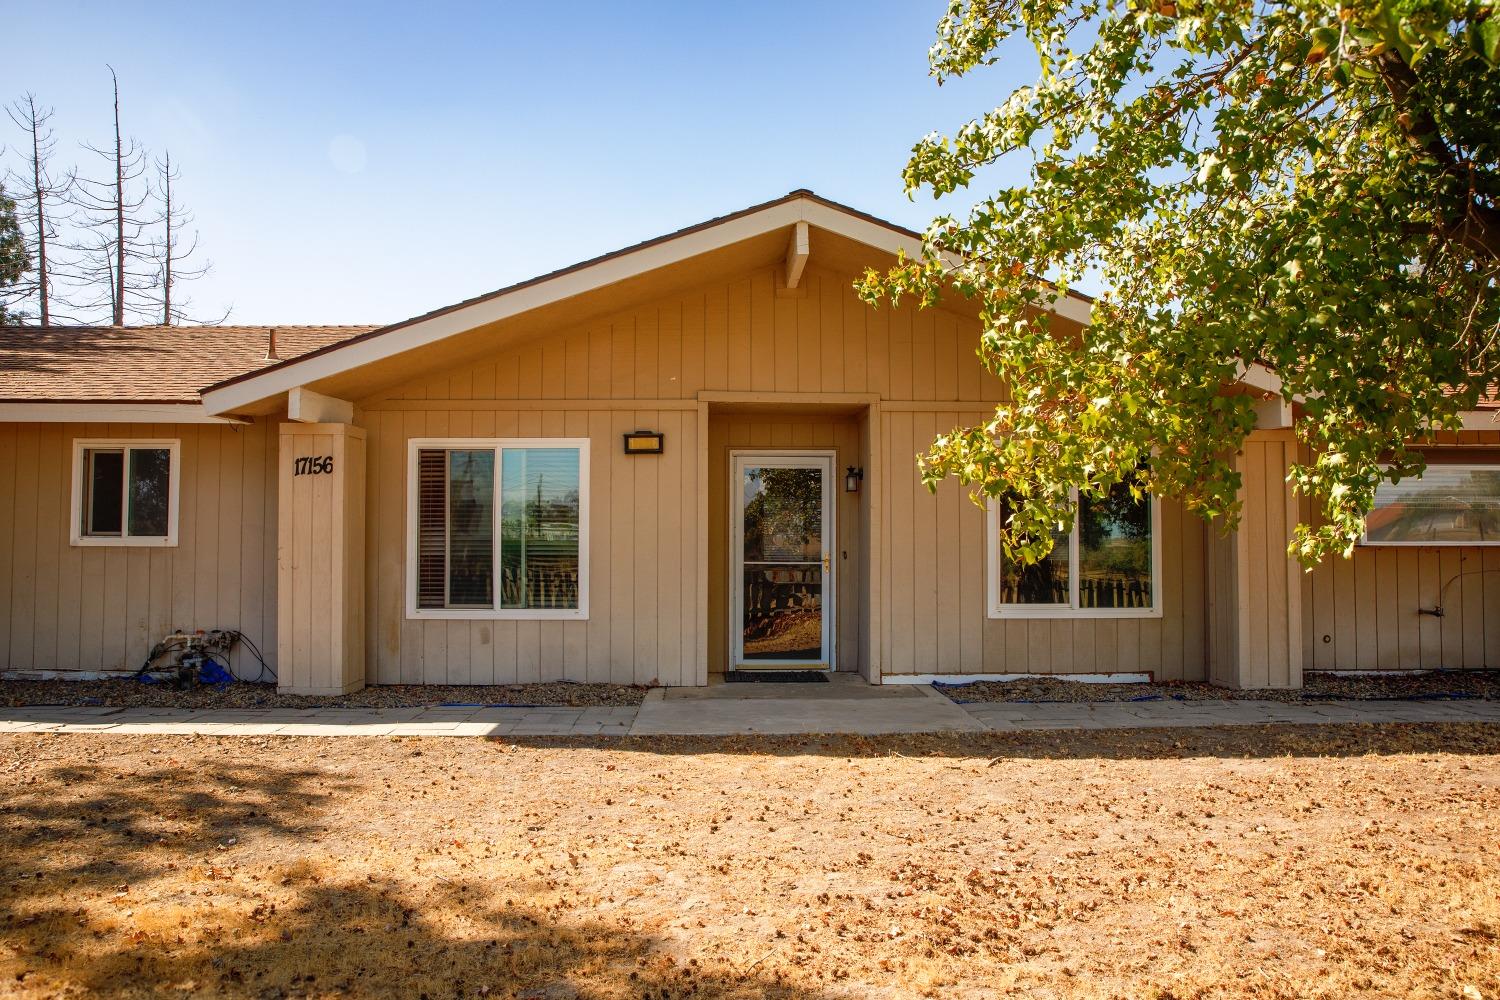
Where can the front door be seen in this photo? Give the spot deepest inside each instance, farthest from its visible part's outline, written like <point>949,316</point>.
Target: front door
<point>782,541</point>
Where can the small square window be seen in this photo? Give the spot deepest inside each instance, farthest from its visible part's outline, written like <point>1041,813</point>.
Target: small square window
<point>125,492</point>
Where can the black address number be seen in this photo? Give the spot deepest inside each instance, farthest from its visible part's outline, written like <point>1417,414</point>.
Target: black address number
<point>313,465</point>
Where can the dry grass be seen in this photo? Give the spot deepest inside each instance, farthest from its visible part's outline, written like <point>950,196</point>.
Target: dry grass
<point>1268,863</point>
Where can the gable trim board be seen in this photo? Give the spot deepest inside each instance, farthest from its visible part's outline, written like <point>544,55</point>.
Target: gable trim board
<point>797,208</point>
<point>316,568</point>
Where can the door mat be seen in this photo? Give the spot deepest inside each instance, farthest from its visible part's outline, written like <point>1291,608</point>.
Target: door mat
<point>776,677</point>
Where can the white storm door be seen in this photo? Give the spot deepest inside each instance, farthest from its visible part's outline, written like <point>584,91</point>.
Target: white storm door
<point>781,544</point>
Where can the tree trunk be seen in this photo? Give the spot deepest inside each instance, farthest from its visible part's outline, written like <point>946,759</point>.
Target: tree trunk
<point>119,281</point>
<point>41,228</point>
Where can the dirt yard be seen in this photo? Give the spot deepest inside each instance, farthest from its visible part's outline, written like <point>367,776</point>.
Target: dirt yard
<point>1351,861</point>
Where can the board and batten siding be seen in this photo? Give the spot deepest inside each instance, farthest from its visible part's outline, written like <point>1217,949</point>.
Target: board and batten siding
<point>733,336</point>
<point>102,608</point>
<point>643,365</point>
<point>642,546</point>
<point>793,432</point>
<point>934,605</point>
<point>1362,613</point>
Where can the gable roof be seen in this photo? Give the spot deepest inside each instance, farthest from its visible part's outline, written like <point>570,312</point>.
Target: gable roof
<point>143,364</point>
<point>224,370</point>
<point>248,390</point>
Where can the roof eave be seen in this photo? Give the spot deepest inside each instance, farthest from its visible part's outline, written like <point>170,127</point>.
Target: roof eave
<point>78,411</point>
<point>247,391</point>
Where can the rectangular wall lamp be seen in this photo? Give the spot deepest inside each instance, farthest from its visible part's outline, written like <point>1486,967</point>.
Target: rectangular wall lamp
<point>644,442</point>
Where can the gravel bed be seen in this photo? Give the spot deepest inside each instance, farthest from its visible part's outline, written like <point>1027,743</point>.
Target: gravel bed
<point>134,694</point>
<point>1436,685</point>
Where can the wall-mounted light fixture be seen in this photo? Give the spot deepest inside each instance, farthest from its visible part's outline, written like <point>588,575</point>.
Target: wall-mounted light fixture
<point>644,442</point>
<point>852,479</point>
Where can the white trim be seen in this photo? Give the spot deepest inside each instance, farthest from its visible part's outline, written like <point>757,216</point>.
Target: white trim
<point>581,613</point>
<point>825,459</point>
<point>111,413</point>
<point>308,407</point>
<point>1258,376</point>
<point>956,679</point>
<point>174,489</point>
<point>1480,420</point>
<point>619,267</point>
<point>797,252</point>
<point>1070,610</point>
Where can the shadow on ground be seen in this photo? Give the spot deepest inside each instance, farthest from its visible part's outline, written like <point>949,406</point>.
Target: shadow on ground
<point>106,874</point>
<point>1227,742</point>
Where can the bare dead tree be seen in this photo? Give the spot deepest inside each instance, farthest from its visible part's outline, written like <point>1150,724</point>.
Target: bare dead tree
<point>116,266</point>
<point>42,201</point>
<point>174,250</point>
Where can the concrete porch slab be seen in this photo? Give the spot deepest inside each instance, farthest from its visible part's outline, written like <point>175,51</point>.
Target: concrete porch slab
<point>793,715</point>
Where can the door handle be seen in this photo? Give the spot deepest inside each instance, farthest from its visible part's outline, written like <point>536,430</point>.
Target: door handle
<point>825,562</point>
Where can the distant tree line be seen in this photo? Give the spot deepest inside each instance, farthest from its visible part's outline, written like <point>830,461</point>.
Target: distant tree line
<point>106,243</point>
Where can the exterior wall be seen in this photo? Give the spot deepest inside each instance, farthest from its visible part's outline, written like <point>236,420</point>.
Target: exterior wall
<point>321,561</point>
<point>934,606</point>
<point>1361,613</point>
<point>101,608</point>
<point>797,431</point>
<point>1254,587</point>
<point>642,543</point>
<point>906,374</point>
<point>736,336</point>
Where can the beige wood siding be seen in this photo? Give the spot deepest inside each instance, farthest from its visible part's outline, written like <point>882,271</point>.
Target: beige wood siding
<point>1255,590</point>
<point>739,335</point>
<point>321,562</point>
<point>922,610</point>
<point>99,608</point>
<point>934,617</point>
<point>643,556</point>
<point>734,431</point>
<point>1361,613</point>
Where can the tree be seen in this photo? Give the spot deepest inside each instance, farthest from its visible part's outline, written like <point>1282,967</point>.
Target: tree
<point>173,251</point>
<point>1310,187</point>
<point>14,260</point>
<point>116,264</point>
<point>41,206</point>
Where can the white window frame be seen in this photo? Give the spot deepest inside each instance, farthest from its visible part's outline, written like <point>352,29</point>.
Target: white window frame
<point>416,445</point>
<point>76,535</point>
<point>1364,537</point>
<point>994,560</point>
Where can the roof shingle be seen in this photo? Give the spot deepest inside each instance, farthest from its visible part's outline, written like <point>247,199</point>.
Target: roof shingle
<point>143,364</point>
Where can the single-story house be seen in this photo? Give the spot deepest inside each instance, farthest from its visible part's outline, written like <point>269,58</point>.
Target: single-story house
<point>690,456</point>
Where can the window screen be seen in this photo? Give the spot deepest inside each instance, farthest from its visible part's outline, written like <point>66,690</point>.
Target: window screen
<point>1446,505</point>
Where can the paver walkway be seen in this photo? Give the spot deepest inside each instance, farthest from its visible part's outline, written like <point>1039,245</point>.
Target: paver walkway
<point>711,711</point>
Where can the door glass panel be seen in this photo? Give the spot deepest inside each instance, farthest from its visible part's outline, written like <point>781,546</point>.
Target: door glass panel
<point>784,611</point>
<point>782,565</point>
<point>783,514</point>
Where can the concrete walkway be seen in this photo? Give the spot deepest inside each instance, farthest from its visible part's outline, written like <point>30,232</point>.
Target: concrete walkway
<point>739,709</point>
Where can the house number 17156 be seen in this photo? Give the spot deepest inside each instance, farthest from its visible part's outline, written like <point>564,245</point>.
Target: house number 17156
<point>312,465</point>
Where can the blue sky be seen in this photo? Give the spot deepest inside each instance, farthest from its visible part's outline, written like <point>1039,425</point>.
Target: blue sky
<point>363,164</point>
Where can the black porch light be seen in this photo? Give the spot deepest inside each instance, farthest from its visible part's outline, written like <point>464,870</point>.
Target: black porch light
<point>852,479</point>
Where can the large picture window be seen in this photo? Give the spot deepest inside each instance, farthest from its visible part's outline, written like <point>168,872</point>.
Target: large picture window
<point>1106,566</point>
<point>125,492</point>
<point>1446,505</point>
<point>498,528</point>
